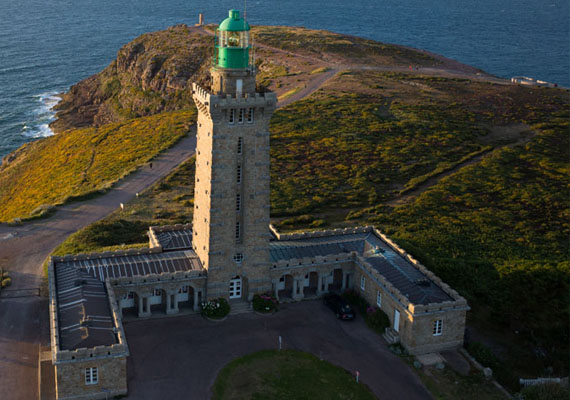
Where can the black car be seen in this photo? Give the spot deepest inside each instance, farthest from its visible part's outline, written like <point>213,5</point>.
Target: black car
<point>341,308</point>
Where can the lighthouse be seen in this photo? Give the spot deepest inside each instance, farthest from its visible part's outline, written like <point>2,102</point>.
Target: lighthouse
<point>231,199</point>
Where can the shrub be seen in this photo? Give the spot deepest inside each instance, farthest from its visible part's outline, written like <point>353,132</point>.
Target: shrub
<point>377,320</point>
<point>217,308</point>
<point>353,297</point>
<point>265,303</point>
<point>486,358</point>
<point>6,281</point>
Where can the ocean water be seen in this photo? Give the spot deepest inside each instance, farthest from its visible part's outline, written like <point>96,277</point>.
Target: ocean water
<point>48,45</point>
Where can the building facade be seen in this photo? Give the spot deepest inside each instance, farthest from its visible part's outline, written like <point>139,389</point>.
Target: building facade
<point>231,251</point>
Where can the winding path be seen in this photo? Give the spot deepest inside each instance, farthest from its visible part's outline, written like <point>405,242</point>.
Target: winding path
<point>23,249</point>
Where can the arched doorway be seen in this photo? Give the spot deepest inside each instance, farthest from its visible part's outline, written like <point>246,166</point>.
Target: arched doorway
<point>336,285</point>
<point>312,282</point>
<point>236,288</point>
<point>285,287</point>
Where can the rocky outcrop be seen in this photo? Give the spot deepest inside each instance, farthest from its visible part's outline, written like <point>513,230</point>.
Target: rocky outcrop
<point>150,75</point>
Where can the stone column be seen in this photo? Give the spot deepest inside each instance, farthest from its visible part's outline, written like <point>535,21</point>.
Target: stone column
<point>294,294</point>
<point>343,286</point>
<point>175,301</point>
<point>147,312</point>
<point>196,305</point>
<point>319,284</point>
<point>140,308</point>
<point>301,288</point>
<point>168,303</point>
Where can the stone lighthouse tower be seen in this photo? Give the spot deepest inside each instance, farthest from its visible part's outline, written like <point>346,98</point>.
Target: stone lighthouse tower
<point>231,199</point>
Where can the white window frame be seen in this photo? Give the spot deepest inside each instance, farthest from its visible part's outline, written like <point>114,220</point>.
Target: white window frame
<point>362,282</point>
<point>438,327</point>
<point>232,116</point>
<point>250,115</point>
<point>379,299</point>
<point>91,376</point>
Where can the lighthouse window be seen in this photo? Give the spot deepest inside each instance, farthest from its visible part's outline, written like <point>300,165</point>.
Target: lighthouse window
<point>241,115</point>
<point>250,116</point>
<point>238,175</point>
<point>233,39</point>
<point>238,257</point>
<point>238,230</point>
<point>239,144</point>
<point>232,116</point>
<point>238,202</point>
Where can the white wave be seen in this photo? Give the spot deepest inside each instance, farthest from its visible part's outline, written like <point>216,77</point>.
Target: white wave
<point>42,116</point>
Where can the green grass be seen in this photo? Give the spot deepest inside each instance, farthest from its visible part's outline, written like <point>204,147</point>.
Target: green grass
<point>167,202</point>
<point>449,385</point>
<point>340,47</point>
<point>498,233</point>
<point>77,163</point>
<point>286,374</point>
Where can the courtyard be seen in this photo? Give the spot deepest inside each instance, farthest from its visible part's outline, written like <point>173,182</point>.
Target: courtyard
<point>180,357</point>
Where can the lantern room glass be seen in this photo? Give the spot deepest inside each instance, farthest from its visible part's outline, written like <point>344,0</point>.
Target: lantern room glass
<point>234,39</point>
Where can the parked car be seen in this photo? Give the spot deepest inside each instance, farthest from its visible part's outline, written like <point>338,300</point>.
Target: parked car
<point>341,308</point>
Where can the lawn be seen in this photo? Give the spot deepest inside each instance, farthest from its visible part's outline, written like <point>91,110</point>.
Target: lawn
<point>286,374</point>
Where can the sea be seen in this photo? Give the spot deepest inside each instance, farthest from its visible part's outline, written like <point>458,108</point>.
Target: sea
<point>48,45</point>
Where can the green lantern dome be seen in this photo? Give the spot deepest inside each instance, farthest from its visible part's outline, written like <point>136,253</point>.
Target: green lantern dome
<point>233,42</point>
<point>234,23</point>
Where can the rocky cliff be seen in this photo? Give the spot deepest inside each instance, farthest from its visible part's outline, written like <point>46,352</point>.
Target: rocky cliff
<point>150,75</point>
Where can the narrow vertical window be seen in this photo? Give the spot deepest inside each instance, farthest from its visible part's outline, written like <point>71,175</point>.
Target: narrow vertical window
<point>362,282</point>
<point>238,202</point>
<point>378,299</point>
<point>250,116</point>
<point>238,231</point>
<point>241,115</point>
<point>438,327</point>
<point>232,116</point>
<point>239,145</point>
<point>238,174</point>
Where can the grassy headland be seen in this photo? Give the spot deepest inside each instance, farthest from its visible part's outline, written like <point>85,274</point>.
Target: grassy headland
<point>80,162</point>
<point>496,230</point>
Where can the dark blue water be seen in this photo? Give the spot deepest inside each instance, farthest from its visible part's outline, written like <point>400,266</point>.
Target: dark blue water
<point>47,45</point>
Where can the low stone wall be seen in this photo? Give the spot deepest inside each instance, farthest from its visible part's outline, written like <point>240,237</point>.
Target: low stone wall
<point>328,232</point>
<point>107,254</point>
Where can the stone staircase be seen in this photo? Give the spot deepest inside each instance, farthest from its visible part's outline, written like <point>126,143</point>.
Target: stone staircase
<point>391,336</point>
<point>240,307</point>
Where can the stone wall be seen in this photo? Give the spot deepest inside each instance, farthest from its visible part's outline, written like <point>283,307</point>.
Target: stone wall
<point>216,189</point>
<point>112,376</point>
<point>420,339</point>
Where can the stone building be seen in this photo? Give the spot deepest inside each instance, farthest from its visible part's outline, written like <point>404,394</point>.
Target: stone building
<point>231,251</point>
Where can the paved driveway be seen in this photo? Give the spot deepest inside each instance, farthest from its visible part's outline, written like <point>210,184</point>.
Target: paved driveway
<point>179,358</point>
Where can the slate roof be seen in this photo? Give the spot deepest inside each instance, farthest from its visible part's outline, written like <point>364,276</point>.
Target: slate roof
<point>175,239</point>
<point>85,319</point>
<point>410,281</point>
